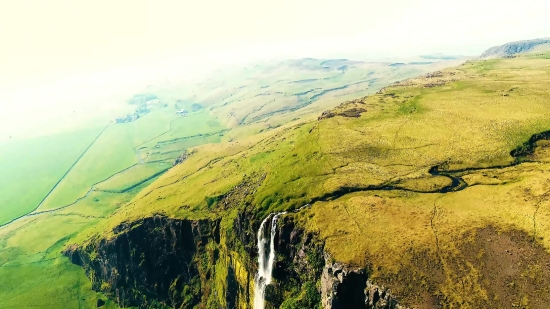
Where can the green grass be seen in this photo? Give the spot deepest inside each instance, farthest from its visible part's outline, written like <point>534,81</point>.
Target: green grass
<point>418,127</point>
<point>31,168</point>
<point>132,176</point>
<point>111,153</point>
<point>24,286</point>
<point>115,150</point>
<point>32,270</point>
<point>182,128</point>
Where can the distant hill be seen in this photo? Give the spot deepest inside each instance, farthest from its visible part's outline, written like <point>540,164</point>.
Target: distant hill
<point>440,56</point>
<point>271,91</point>
<point>512,48</point>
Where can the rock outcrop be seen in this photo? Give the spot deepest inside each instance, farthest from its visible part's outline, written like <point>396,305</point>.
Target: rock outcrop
<point>513,48</point>
<point>343,287</point>
<point>151,261</point>
<point>161,262</point>
<point>181,158</point>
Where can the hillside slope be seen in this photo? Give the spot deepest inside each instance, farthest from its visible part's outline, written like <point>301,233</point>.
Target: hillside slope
<point>128,156</point>
<point>513,48</point>
<point>269,94</point>
<point>433,193</point>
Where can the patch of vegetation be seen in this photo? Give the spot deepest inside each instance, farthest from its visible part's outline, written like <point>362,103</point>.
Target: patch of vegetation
<point>411,106</point>
<point>212,200</point>
<point>32,270</point>
<point>132,176</point>
<point>528,148</point>
<point>308,297</point>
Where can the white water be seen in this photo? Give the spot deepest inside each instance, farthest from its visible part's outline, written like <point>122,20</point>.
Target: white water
<point>265,260</point>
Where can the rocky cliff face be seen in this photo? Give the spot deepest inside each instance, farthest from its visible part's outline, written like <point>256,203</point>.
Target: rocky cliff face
<point>161,262</point>
<point>510,49</point>
<point>342,287</point>
<point>297,268</point>
<point>152,262</point>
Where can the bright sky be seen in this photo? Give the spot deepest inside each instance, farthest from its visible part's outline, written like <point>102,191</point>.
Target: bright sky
<point>62,53</point>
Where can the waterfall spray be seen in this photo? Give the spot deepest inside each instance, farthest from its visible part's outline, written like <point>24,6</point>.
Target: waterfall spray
<point>265,260</point>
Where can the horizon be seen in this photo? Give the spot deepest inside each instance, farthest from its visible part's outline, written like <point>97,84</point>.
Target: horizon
<point>64,56</point>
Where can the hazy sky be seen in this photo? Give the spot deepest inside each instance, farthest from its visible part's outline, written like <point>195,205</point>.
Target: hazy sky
<point>59,51</point>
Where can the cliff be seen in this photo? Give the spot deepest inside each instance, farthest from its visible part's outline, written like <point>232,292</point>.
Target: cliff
<point>153,261</point>
<point>513,48</point>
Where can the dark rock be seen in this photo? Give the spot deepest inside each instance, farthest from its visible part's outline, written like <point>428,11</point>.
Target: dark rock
<point>154,256</point>
<point>271,294</point>
<point>181,158</point>
<point>326,114</point>
<point>434,74</point>
<point>297,263</point>
<point>100,303</point>
<point>352,112</point>
<point>435,84</point>
<point>343,287</point>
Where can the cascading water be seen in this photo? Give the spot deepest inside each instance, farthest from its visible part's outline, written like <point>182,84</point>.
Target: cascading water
<point>265,260</point>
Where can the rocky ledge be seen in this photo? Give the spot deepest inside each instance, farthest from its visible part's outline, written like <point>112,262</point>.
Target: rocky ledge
<point>149,263</point>
<point>343,287</point>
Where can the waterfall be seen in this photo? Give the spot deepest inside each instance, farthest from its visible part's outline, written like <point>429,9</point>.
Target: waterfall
<point>265,260</point>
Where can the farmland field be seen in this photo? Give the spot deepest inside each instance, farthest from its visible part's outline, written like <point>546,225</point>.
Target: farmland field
<point>32,271</point>
<point>111,153</point>
<point>191,125</point>
<point>31,168</point>
<point>119,147</point>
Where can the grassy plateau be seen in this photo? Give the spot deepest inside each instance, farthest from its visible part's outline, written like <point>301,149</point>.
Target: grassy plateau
<point>427,184</point>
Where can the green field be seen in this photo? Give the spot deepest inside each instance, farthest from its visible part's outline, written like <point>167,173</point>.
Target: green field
<point>33,273</point>
<point>31,168</point>
<point>132,176</point>
<point>118,147</point>
<point>31,266</point>
<point>182,128</point>
<point>111,153</point>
